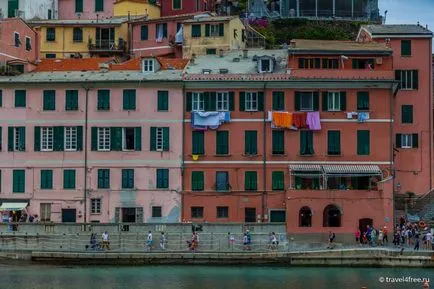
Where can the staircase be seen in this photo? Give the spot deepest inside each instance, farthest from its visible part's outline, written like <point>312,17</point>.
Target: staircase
<point>254,39</point>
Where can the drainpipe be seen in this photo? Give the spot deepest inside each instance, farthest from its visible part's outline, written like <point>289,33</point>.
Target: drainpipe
<point>182,152</point>
<point>393,92</point>
<point>264,157</point>
<point>85,152</point>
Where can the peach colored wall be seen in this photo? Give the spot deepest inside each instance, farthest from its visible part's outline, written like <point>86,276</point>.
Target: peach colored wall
<point>67,10</point>
<point>8,51</point>
<point>144,162</point>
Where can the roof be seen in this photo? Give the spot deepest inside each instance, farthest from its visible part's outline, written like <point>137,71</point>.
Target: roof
<point>137,1</point>
<point>93,22</point>
<point>352,169</point>
<point>144,19</point>
<point>210,19</point>
<point>71,64</point>
<point>304,46</point>
<point>173,63</point>
<point>397,30</point>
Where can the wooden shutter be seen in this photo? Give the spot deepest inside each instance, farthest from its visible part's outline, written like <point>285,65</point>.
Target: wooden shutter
<point>398,77</point>
<point>144,32</point>
<point>415,140</point>
<point>79,138</point>
<point>221,29</point>
<point>116,138</point>
<point>398,142</point>
<point>297,100</point>
<point>260,101</point>
<point>153,139</point>
<point>94,138</point>
<point>188,96</point>
<point>37,139</point>
<point>11,139</point>
<point>315,100</point>
<point>325,100</point>
<point>139,215</point>
<point>207,30</point>
<point>242,101</point>
<point>166,138</point>
<point>58,138</point>
<point>164,30</point>
<point>138,138</point>
<point>301,63</point>
<point>415,79</point>
<point>117,215</point>
<point>343,96</point>
<point>231,101</point>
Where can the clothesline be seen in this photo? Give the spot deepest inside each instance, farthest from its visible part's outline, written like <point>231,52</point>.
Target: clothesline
<point>295,120</point>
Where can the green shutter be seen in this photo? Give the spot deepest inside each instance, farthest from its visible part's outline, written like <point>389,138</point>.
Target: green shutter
<point>94,138</point>
<point>405,47</point>
<point>415,140</point>
<point>103,99</point>
<point>19,181</point>
<point>306,142</point>
<point>415,79</point>
<point>164,30</point>
<point>37,139</point>
<point>250,181</point>
<point>78,6</point>
<point>144,32</point>
<point>407,114</point>
<point>333,142</point>
<point>188,97</point>
<point>103,178</point>
<point>398,139</point>
<point>20,98</point>
<point>250,142</point>
<point>166,139</point>
<point>301,62</point>
<point>116,138</point>
<point>207,30</point>
<point>278,100</point>
<point>197,181</point>
<point>297,100</point>
<point>79,138</point>
<point>231,101</point>
<point>71,100</point>
<point>260,101</point>
<point>315,100</point>
<point>210,101</point>
<point>195,30</point>
<point>325,98</point>
<point>398,77</point>
<point>362,100</point>
<point>343,96</point>
<point>138,138</point>
<point>153,139</point>
<point>221,29</point>
<point>242,101</point>
<point>278,181</point>
<point>176,4</point>
<point>99,5</point>
<point>129,99</point>
<point>1,98</point>
<point>278,142</point>
<point>222,142</point>
<point>163,100</point>
<point>58,138</point>
<point>49,102</point>
<point>69,179</point>
<point>198,147</point>
<point>10,139</point>
<point>363,142</point>
<point>1,144</point>
<point>317,62</point>
<point>162,178</point>
<point>22,140</point>
<point>127,178</point>
<point>46,179</point>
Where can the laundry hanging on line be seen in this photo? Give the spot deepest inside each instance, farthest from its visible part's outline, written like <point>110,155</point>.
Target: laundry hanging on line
<point>203,120</point>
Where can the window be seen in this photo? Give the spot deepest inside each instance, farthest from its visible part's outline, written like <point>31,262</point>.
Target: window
<point>47,139</point>
<point>333,101</point>
<point>46,179</point>
<point>362,100</point>
<point>363,63</point>
<point>95,206</point>
<point>162,178</point>
<point>278,100</point>
<point>160,31</point>
<point>17,40</point>
<point>28,43</point>
<point>163,100</point>
<point>306,63</point>
<point>144,32</point>
<point>160,139</point>
<point>50,55</point>
<point>197,181</point>
<point>177,4</point>
<point>334,142</point>
<point>408,79</point>
<point>148,65</point>
<point>19,181</point>
<point>331,216</point>
<point>363,142</point>
<point>1,98</point>
<point>330,63</point>
<point>222,212</point>
<point>77,34</point>
<point>222,142</point>
<point>251,101</point>
<point>198,147</point>
<point>50,14</point>
<point>306,101</point>
<point>51,34</point>
<point>49,100</point>
<point>99,5</point>
<point>222,181</point>
<point>278,138</point>
<point>197,101</point>
<point>195,30</point>
<point>17,139</point>
<point>127,178</point>
<point>71,100</point>
<point>45,212</point>
<point>214,30</point>
<point>250,181</point>
<point>71,138</point>
<point>156,212</point>
<point>78,6</point>
<point>69,179</point>
<point>251,142</point>
<point>405,47</point>
<point>132,138</point>
<point>306,143</point>
<point>129,99</point>
<point>305,217</point>
<point>20,98</point>
<point>222,99</point>
<point>407,114</point>
<point>103,99</point>
<point>278,181</point>
<point>197,212</point>
<point>103,178</point>
<point>103,139</point>
<point>211,51</point>
<point>249,215</point>
<point>407,141</point>
<point>265,65</point>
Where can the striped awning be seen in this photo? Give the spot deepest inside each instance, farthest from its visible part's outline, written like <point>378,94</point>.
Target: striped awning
<point>364,170</point>
<point>305,168</point>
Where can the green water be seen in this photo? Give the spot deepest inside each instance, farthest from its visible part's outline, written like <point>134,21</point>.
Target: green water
<point>19,276</point>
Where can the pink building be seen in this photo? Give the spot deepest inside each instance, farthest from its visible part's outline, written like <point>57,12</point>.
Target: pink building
<point>178,7</point>
<point>18,44</point>
<point>412,105</point>
<point>88,140</point>
<point>82,9</point>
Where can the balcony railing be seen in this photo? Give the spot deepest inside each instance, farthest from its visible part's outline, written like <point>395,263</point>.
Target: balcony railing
<point>106,45</point>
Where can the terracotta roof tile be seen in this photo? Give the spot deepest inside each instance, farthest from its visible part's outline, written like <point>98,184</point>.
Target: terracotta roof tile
<point>70,64</point>
<point>132,64</point>
<point>172,63</point>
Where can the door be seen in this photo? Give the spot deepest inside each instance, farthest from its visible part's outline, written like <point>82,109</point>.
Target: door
<point>249,215</point>
<point>69,215</point>
<point>363,224</point>
<point>105,38</point>
<point>128,215</point>
<point>45,212</point>
<point>278,216</point>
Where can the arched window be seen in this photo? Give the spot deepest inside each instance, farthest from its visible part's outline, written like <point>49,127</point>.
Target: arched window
<point>332,216</point>
<point>305,217</point>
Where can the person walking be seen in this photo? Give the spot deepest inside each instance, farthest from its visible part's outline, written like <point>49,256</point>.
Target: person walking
<point>416,240</point>
<point>163,241</point>
<point>428,237</point>
<point>357,236</point>
<point>149,241</point>
<point>274,241</point>
<point>332,237</point>
<point>385,239</point>
<point>105,241</point>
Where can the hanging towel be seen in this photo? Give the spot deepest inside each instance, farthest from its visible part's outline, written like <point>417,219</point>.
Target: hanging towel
<point>363,116</point>
<point>299,120</point>
<point>224,116</point>
<point>349,115</point>
<point>282,119</point>
<point>207,118</point>
<point>194,125</point>
<point>313,121</point>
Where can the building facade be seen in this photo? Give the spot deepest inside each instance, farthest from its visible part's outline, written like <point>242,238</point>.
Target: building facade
<point>88,140</point>
<point>179,7</point>
<point>29,9</point>
<point>82,9</point>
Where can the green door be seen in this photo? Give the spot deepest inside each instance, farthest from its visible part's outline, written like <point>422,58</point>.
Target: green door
<point>278,216</point>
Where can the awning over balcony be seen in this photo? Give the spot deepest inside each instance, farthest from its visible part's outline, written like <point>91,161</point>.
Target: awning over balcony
<point>13,206</point>
<point>305,168</point>
<point>352,170</point>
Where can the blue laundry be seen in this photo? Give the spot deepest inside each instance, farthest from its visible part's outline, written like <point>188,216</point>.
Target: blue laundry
<point>363,116</point>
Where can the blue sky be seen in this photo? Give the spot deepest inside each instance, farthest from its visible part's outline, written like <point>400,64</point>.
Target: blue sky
<point>408,12</point>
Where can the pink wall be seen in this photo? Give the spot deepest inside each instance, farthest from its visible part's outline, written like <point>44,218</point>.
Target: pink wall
<point>144,162</point>
<point>67,10</point>
<point>188,6</point>
<point>8,51</point>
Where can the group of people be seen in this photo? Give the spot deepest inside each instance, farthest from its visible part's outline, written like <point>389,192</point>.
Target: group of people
<point>105,244</point>
<point>372,236</point>
<point>411,234</point>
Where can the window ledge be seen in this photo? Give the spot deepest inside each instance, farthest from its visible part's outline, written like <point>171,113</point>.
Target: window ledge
<point>300,155</point>
<point>279,155</point>
<point>200,155</point>
<point>339,155</point>
<point>251,156</point>
<point>95,214</point>
<point>223,156</point>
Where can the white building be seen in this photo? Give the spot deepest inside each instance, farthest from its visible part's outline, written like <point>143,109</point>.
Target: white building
<point>29,9</point>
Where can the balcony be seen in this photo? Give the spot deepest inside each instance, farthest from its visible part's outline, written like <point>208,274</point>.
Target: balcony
<point>350,74</point>
<point>104,46</point>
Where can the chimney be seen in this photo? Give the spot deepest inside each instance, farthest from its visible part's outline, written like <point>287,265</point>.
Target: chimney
<point>221,53</point>
<point>103,67</point>
<point>293,44</point>
<point>245,53</point>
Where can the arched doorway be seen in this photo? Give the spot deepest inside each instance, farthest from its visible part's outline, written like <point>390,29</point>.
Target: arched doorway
<point>305,217</point>
<point>364,223</point>
<point>332,216</point>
